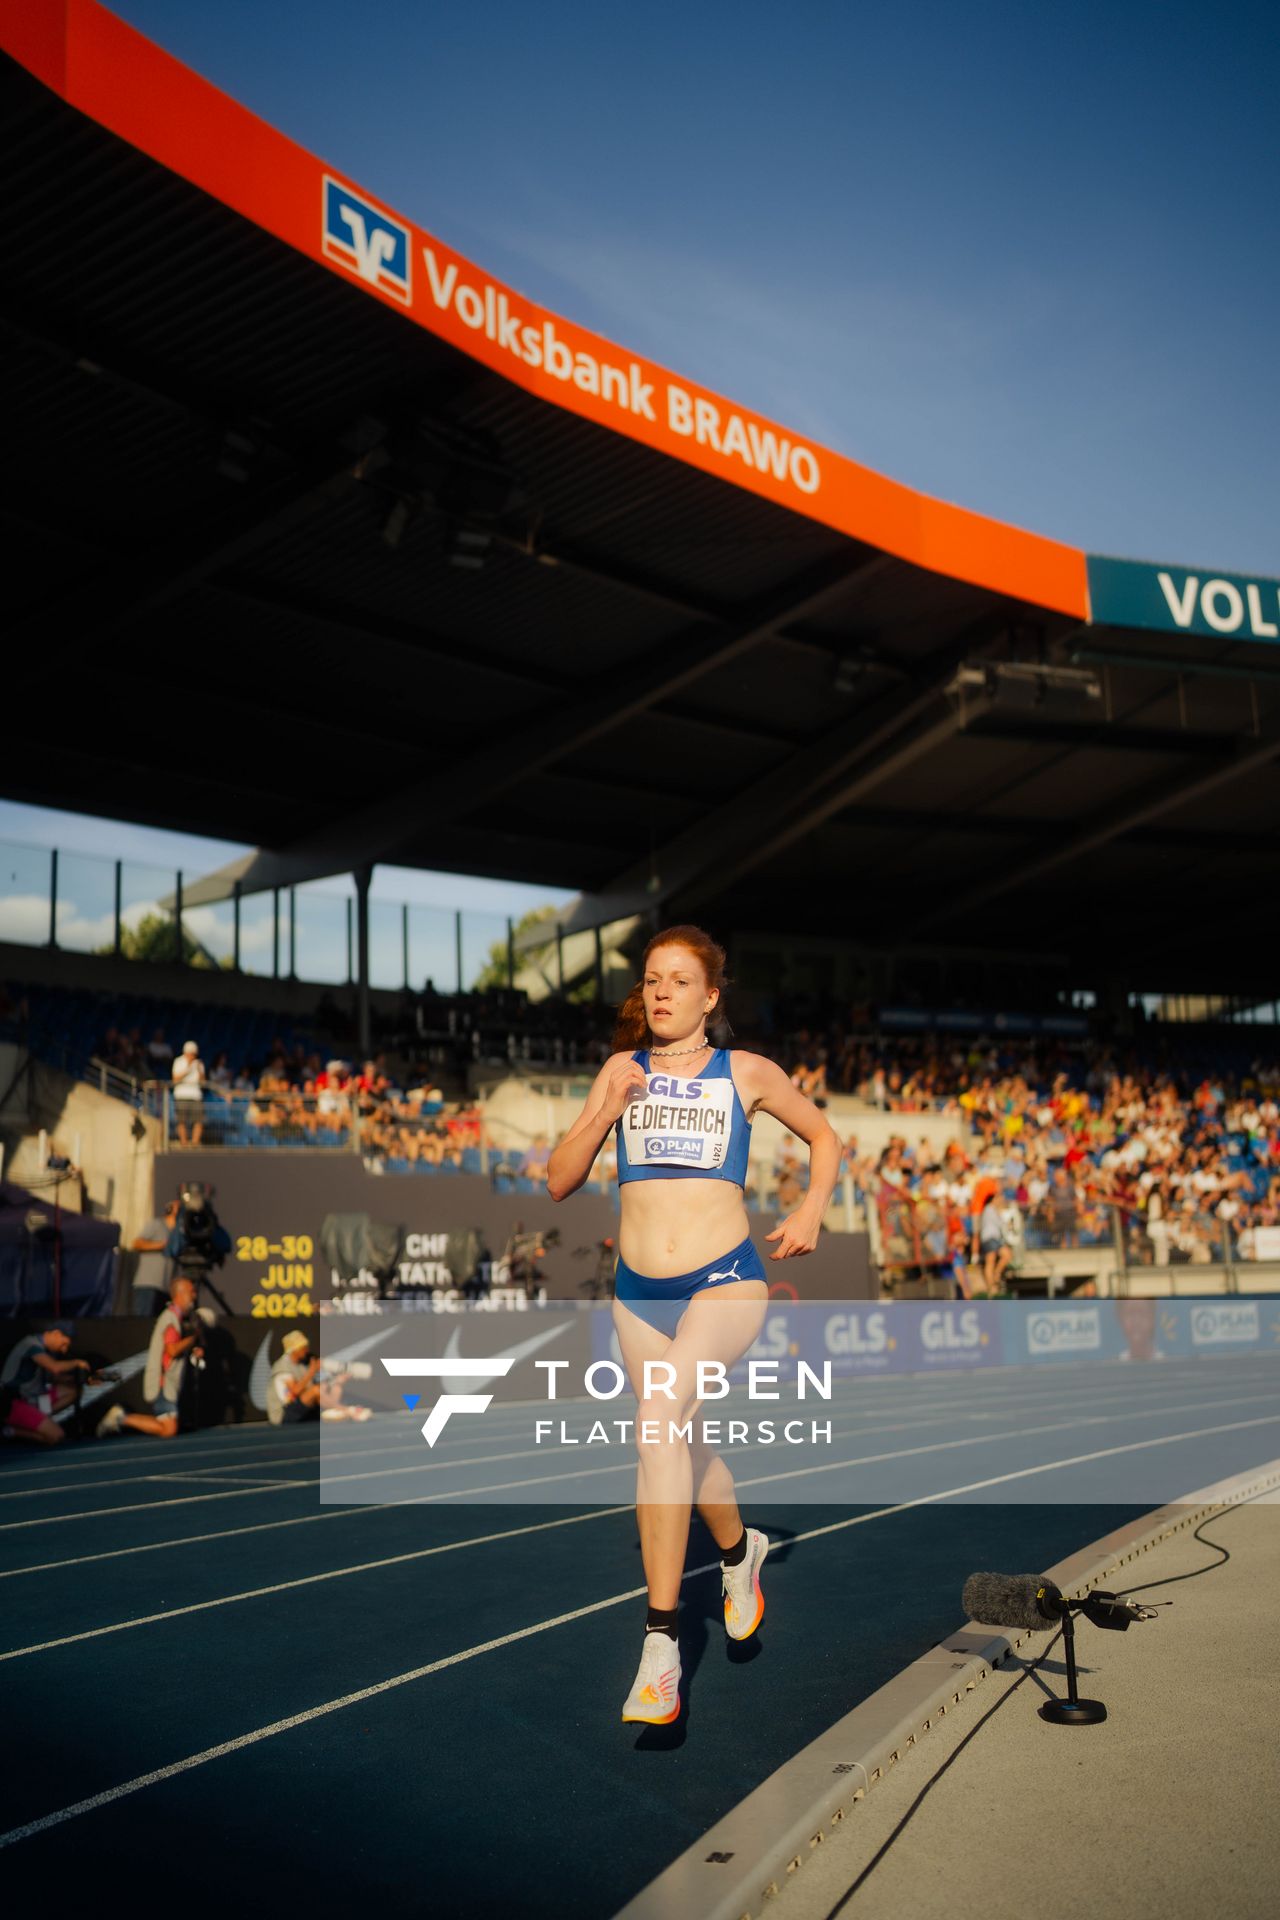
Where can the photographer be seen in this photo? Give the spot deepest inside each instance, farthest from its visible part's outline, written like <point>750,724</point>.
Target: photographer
<point>303,1387</point>
<point>176,1341</point>
<point>38,1381</point>
<point>149,1277</point>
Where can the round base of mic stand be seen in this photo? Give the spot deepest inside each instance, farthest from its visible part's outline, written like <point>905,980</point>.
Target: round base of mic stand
<point>1073,1713</point>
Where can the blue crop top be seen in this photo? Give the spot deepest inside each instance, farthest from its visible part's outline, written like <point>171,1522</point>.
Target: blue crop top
<point>692,1129</point>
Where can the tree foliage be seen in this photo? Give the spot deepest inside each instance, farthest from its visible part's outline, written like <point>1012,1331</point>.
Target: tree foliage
<point>154,938</point>
<point>493,973</point>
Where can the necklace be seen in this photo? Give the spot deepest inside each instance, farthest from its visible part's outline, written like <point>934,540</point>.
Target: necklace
<point>678,1053</point>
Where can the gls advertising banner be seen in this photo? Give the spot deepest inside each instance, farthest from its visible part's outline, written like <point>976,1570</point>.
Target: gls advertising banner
<point>861,1338</point>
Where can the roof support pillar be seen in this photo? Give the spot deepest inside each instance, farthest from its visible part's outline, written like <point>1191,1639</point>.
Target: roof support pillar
<point>364,1029</point>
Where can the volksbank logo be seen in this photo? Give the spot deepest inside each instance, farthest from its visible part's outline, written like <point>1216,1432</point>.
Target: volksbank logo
<point>493,1366</point>
<point>672,1147</point>
<point>1222,1326</point>
<point>365,240</point>
<point>1129,593</point>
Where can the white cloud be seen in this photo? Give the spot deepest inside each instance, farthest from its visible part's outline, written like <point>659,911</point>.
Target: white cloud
<point>24,919</point>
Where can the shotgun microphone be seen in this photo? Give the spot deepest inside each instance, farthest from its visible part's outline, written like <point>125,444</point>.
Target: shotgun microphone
<point>1032,1601</point>
<point>1027,1600</point>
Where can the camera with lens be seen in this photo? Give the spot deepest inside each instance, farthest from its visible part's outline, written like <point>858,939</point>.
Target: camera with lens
<point>192,1327</point>
<point>204,1244</point>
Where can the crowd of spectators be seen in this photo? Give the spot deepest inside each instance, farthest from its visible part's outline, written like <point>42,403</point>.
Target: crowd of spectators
<point>298,1097</point>
<point>1059,1142</point>
<point>1070,1146</point>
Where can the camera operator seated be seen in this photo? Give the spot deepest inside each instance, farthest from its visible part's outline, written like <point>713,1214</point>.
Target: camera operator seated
<point>176,1341</point>
<point>304,1388</point>
<point>38,1381</point>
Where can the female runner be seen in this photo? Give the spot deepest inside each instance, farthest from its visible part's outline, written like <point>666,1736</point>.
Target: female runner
<point>689,1286</point>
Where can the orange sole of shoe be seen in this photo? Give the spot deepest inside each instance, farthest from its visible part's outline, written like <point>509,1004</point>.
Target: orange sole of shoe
<point>658,1720</point>
<point>755,1623</point>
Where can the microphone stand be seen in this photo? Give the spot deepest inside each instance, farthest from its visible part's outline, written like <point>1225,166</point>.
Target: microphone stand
<point>1073,1711</point>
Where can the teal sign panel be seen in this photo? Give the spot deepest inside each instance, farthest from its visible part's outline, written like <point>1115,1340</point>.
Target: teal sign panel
<point>1228,606</point>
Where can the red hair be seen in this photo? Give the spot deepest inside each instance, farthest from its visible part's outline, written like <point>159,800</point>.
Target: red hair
<point>632,1028</point>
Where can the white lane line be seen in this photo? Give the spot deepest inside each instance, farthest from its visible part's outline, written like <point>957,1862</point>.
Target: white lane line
<point>590,1409</point>
<point>191,1540</point>
<point>237,1479</point>
<point>1048,1466</point>
<point>335,1513</point>
<point>627,1465</point>
<point>196,1474</point>
<point>150,1506</point>
<point>110,1795</point>
<point>950,1444</point>
<point>307,1580</point>
<point>938,1415</point>
<point>330,1480</point>
<point>983,1386</point>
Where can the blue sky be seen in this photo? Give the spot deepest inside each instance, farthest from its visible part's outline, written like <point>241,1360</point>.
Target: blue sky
<point>1020,256</point>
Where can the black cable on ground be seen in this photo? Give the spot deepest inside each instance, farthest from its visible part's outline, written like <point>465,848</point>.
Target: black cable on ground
<point>932,1782</point>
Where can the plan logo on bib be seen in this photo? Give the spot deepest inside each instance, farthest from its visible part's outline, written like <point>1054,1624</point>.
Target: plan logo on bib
<point>673,1147</point>
<point>1225,1326</point>
<point>368,242</point>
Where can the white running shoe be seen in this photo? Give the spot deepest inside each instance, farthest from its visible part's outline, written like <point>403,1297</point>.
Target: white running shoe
<point>655,1692</point>
<point>111,1422</point>
<point>743,1600</point>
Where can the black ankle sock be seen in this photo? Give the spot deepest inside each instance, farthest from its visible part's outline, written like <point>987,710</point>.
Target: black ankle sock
<point>662,1620</point>
<point>736,1555</point>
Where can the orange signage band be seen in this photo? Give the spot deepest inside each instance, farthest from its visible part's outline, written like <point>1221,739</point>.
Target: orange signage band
<point>113,74</point>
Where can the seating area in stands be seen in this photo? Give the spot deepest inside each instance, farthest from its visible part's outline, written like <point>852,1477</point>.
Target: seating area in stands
<point>1180,1133</point>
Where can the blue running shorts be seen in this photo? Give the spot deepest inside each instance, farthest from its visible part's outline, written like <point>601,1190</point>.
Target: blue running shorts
<point>661,1302</point>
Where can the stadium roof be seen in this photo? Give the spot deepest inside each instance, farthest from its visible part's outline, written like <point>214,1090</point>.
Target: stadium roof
<point>335,545</point>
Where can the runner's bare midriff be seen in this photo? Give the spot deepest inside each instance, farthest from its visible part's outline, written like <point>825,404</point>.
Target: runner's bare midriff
<point>671,1227</point>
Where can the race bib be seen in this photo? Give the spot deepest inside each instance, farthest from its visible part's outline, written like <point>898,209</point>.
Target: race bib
<point>680,1124</point>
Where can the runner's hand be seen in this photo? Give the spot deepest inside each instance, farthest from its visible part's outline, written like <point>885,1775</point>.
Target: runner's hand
<point>797,1234</point>
<point>625,1083</point>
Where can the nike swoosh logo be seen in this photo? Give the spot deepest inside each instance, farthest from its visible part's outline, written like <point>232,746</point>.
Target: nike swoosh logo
<point>481,1378</point>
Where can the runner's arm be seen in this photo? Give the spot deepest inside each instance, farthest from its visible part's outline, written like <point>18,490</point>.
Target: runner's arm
<point>771,1091</point>
<point>572,1160</point>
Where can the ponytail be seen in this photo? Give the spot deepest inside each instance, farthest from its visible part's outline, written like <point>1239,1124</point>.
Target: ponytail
<point>631,1029</point>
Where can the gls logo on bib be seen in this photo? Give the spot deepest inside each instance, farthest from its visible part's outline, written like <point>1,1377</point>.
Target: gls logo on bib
<point>365,240</point>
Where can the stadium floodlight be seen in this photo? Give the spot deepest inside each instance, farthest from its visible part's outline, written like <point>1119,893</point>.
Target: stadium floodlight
<point>396,519</point>
<point>468,547</point>
<point>1027,683</point>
